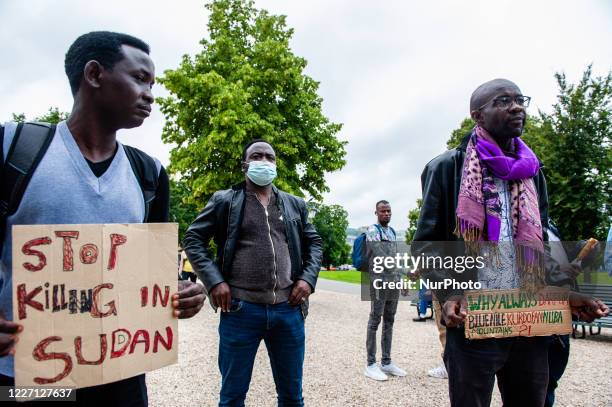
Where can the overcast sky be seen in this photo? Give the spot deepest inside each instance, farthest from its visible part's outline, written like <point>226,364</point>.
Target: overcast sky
<point>398,74</point>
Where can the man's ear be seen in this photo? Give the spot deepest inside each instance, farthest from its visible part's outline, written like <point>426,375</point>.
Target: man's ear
<point>476,116</point>
<point>92,73</point>
<point>244,166</point>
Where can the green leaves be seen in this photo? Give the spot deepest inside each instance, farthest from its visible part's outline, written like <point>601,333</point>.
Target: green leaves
<point>246,84</point>
<point>576,151</point>
<point>181,211</point>
<point>413,219</point>
<point>331,222</point>
<point>53,116</point>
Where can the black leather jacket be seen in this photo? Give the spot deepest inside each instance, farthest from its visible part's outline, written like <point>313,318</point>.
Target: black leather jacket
<point>440,183</point>
<point>220,220</point>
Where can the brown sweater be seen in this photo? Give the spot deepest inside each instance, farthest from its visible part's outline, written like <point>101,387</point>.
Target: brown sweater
<point>261,268</point>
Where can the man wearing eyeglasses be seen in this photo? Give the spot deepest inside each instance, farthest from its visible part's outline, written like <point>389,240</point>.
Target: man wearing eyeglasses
<point>491,189</point>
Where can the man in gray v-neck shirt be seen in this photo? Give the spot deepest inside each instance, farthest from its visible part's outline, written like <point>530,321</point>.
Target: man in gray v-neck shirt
<point>111,76</point>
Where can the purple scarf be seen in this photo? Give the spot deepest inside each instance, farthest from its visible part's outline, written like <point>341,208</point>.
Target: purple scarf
<point>479,207</point>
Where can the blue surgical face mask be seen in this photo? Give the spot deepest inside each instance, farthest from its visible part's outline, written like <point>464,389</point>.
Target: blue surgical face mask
<point>261,172</point>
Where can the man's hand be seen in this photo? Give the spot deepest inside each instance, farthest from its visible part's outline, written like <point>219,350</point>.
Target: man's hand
<point>221,296</point>
<point>189,300</point>
<point>300,292</point>
<point>8,336</point>
<point>586,307</point>
<point>454,311</point>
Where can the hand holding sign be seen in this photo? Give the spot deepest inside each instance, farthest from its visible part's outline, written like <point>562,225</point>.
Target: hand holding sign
<point>189,300</point>
<point>587,308</point>
<point>454,311</point>
<point>8,336</point>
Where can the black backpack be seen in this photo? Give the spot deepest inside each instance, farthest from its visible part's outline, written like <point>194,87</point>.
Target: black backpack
<point>27,149</point>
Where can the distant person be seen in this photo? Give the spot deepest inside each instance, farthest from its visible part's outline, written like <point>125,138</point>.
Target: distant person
<point>381,240</point>
<point>423,303</point>
<point>439,372</point>
<point>185,269</point>
<point>267,265</point>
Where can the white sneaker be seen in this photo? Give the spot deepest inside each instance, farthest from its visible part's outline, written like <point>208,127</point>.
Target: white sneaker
<point>393,370</point>
<point>438,372</point>
<point>422,316</point>
<point>373,372</point>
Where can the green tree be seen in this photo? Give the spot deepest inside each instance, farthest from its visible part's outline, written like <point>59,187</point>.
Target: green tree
<point>576,150</point>
<point>457,135</point>
<point>18,117</point>
<point>246,83</point>
<point>182,211</point>
<point>331,222</point>
<point>413,219</point>
<point>54,116</point>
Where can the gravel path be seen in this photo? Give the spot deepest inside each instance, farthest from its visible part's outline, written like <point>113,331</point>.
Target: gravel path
<point>335,358</point>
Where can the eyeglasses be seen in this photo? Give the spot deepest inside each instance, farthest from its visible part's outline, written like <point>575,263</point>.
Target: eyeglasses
<point>504,102</point>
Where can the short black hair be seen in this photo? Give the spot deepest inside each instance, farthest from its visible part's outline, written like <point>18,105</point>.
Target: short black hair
<point>101,46</point>
<point>382,201</point>
<point>250,143</point>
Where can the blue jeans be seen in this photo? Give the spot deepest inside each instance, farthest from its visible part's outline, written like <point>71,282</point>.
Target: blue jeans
<point>424,301</point>
<point>281,326</point>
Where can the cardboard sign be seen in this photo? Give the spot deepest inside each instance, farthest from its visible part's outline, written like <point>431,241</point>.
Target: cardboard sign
<point>507,313</point>
<point>95,302</point>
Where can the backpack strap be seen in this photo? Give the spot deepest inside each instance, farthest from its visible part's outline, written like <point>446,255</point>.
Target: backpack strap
<point>380,231</point>
<point>28,147</point>
<point>146,172</point>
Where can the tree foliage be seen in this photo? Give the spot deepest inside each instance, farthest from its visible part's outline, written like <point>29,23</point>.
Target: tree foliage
<point>413,219</point>
<point>246,83</point>
<point>331,222</point>
<point>53,116</point>
<point>457,135</point>
<point>182,211</point>
<point>577,154</point>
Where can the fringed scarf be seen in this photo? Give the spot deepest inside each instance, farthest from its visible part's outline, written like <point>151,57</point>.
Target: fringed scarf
<point>479,207</point>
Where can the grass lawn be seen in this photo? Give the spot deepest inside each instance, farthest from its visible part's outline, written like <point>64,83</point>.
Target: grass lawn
<point>348,276</point>
<point>597,278</point>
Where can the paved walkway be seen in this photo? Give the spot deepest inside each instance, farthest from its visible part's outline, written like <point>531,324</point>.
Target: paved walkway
<point>338,287</point>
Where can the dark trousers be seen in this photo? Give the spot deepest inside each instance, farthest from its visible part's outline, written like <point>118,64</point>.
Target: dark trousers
<point>386,310</point>
<point>281,327</point>
<point>558,355</point>
<point>130,392</point>
<point>520,364</point>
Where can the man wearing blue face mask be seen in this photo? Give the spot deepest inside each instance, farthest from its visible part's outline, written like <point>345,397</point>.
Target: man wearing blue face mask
<point>267,264</point>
